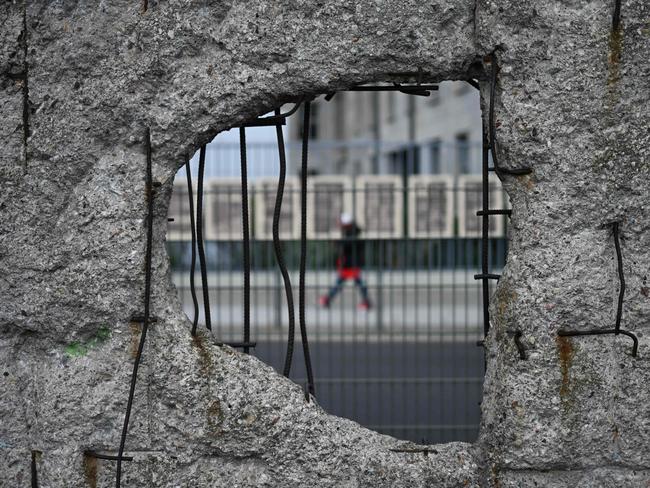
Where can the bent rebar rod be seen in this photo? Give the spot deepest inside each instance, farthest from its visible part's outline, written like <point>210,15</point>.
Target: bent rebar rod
<point>619,307</point>
<point>278,248</point>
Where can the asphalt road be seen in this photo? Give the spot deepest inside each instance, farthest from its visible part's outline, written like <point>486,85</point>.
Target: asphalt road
<point>409,367</point>
<point>411,390</point>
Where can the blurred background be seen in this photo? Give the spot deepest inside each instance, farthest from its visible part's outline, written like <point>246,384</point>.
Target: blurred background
<point>407,170</point>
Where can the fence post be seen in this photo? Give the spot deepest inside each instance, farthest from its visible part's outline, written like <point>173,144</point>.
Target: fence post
<point>379,299</point>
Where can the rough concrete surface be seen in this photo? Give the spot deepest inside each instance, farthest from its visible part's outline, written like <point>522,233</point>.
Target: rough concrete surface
<point>80,82</point>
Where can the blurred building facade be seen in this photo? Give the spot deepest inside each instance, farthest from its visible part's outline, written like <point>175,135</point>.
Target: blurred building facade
<point>358,133</point>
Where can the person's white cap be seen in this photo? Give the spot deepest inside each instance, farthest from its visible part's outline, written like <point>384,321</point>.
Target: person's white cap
<point>345,219</point>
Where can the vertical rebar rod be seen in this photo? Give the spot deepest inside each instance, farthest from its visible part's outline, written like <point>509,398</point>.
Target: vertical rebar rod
<point>616,17</point>
<point>621,278</point>
<point>489,133</point>
<point>190,195</point>
<point>199,240</point>
<point>494,69</point>
<point>34,471</point>
<point>246,243</point>
<point>277,245</point>
<point>303,248</point>
<point>147,297</point>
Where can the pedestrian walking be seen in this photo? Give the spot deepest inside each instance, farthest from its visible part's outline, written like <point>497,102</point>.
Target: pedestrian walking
<point>349,261</point>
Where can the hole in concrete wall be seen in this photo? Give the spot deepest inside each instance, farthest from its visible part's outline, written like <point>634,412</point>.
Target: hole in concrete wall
<point>398,351</point>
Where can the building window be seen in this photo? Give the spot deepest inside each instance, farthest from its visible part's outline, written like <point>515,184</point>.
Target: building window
<point>463,153</point>
<point>434,154</point>
<point>404,161</point>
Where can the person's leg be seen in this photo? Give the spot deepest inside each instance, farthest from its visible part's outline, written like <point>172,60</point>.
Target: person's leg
<point>363,289</point>
<point>336,288</point>
<point>326,299</point>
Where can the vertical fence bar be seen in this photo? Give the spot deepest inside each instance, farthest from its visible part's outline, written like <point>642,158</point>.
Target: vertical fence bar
<point>485,229</point>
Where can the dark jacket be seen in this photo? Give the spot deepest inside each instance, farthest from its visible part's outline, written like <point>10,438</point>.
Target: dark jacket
<point>350,249</point>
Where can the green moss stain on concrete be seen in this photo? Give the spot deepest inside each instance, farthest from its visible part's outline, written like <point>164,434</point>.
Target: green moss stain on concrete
<point>78,349</point>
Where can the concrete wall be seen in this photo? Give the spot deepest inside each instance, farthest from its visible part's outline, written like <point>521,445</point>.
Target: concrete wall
<point>82,80</point>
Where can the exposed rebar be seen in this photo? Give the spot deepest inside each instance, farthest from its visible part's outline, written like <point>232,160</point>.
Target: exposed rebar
<point>303,248</point>
<point>619,307</point>
<point>616,17</point>
<point>246,243</point>
<point>199,240</point>
<point>34,471</point>
<point>147,297</point>
<point>492,125</point>
<point>278,119</point>
<point>621,278</point>
<point>190,195</point>
<point>277,246</point>
<point>108,457</point>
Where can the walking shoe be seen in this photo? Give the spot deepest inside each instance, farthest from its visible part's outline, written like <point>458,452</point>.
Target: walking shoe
<point>324,301</point>
<point>364,305</point>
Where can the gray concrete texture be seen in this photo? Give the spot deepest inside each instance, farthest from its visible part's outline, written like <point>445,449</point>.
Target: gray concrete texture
<point>571,102</point>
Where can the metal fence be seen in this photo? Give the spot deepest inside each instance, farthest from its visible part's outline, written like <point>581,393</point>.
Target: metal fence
<point>409,366</point>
